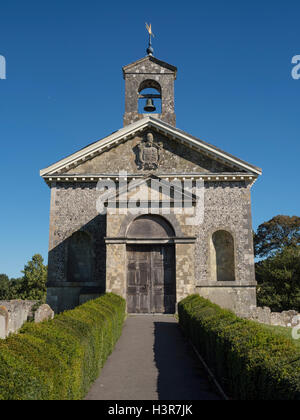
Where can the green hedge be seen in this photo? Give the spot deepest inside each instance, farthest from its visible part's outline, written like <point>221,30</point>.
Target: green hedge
<point>250,362</point>
<point>60,359</point>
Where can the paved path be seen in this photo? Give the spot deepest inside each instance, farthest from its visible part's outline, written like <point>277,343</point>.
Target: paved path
<point>152,361</point>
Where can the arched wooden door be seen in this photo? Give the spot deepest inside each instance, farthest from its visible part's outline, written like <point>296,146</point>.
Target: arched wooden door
<point>151,278</point>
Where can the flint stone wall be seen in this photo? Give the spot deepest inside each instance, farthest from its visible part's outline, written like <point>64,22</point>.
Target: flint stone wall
<point>266,316</point>
<point>14,313</point>
<point>227,207</point>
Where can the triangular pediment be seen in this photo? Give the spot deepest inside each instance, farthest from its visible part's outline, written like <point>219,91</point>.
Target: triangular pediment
<point>179,153</point>
<point>149,65</point>
<point>150,187</point>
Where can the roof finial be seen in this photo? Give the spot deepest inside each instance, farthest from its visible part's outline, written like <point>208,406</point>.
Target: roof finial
<point>150,49</point>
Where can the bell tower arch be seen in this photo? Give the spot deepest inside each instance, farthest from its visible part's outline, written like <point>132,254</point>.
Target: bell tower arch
<point>149,73</point>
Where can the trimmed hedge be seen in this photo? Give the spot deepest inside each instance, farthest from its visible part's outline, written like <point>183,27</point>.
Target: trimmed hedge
<point>61,358</point>
<point>250,362</point>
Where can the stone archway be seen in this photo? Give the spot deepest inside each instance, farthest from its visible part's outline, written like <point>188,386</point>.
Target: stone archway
<point>151,278</point>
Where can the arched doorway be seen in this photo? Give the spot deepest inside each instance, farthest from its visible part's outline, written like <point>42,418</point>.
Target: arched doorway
<point>151,279</point>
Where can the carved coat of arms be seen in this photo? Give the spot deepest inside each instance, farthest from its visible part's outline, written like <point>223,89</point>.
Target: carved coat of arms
<point>149,153</point>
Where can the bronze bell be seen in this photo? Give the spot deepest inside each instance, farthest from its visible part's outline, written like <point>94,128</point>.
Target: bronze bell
<point>149,106</point>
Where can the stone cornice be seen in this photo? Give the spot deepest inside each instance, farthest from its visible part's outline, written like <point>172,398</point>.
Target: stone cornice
<point>140,241</point>
<point>223,284</point>
<point>207,177</point>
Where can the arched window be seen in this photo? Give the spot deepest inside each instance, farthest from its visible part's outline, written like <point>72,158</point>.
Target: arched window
<point>80,258</point>
<point>222,256</point>
<point>150,90</point>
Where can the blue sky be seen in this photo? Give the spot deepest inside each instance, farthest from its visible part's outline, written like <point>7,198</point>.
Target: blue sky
<point>64,90</point>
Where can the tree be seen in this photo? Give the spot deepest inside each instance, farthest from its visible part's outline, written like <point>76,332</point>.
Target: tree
<point>34,280</point>
<point>276,234</point>
<point>4,287</point>
<point>279,280</point>
<point>15,288</point>
<point>10,288</point>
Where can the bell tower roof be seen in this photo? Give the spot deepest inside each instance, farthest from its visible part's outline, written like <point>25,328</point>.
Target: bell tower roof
<point>146,61</point>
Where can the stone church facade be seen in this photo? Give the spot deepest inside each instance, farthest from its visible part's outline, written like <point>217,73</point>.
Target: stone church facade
<point>145,242</point>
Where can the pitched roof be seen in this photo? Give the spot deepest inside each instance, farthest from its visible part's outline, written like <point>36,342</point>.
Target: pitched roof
<point>128,67</point>
<point>137,127</point>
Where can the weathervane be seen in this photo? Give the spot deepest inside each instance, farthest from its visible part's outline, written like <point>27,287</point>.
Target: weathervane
<point>150,50</point>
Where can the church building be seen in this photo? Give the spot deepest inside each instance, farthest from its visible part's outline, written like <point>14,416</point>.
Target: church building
<point>151,212</point>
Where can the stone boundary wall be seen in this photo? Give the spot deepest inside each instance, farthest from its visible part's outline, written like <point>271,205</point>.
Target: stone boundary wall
<point>14,313</point>
<point>266,316</point>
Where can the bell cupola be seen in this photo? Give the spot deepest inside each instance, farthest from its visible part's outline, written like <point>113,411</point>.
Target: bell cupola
<point>149,89</point>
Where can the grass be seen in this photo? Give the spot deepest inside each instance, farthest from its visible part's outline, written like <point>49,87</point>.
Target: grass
<point>283,331</point>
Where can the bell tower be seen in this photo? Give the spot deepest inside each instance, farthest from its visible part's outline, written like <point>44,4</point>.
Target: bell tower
<point>149,89</point>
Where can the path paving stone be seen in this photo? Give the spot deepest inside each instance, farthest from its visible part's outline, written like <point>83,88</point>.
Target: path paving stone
<point>152,361</point>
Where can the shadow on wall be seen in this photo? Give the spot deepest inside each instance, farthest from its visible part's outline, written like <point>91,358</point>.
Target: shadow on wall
<point>77,266</point>
<point>180,375</point>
